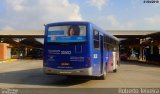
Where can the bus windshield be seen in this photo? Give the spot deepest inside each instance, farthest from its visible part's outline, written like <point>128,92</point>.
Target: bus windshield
<point>67,33</point>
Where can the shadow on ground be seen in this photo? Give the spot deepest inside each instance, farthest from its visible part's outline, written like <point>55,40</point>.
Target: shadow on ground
<point>36,77</point>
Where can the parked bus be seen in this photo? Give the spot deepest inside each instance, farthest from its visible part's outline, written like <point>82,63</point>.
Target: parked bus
<point>79,48</point>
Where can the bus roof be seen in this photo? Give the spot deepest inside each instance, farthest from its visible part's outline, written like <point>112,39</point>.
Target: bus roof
<point>85,23</point>
<point>69,22</point>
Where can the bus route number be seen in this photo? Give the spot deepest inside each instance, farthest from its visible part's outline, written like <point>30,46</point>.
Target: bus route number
<point>65,52</point>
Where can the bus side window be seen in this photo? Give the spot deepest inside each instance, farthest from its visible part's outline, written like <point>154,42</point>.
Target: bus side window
<point>105,42</point>
<point>96,39</point>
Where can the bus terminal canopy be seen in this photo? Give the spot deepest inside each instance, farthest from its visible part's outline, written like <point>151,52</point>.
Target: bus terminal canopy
<point>28,42</point>
<point>117,33</point>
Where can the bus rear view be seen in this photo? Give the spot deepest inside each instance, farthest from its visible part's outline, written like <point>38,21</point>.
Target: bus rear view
<point>66,50</point>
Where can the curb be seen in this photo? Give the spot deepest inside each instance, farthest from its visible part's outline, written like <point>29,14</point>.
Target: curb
<point>8,61</point>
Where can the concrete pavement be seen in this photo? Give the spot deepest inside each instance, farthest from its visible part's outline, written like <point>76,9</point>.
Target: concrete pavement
<point>29,74</point>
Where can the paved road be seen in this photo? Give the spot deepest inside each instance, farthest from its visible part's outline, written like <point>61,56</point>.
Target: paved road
<point>29,74</point>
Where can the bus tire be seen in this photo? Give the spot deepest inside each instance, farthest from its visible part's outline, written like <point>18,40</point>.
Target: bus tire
<point>115,70</point>
<point>103,77</point>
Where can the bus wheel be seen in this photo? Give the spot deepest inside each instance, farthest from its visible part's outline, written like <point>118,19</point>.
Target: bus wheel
<point>115,70</point>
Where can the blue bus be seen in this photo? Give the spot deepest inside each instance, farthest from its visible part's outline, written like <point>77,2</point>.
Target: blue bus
<point>80,49</point>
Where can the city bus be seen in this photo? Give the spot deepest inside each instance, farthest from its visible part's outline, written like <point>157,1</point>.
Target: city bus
<point>79,49</point>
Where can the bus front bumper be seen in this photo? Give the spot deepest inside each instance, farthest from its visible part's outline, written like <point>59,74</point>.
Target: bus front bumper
<point>78,72</point>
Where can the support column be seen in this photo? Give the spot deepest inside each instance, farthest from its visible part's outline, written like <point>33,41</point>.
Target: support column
<point>151,49</point>
<point>141,54</point>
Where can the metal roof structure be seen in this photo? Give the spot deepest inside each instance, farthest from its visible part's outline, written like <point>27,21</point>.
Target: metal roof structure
<point>22,34</point>
<point>130,37</point>
<point>131,33</point>
<point>40,33</point>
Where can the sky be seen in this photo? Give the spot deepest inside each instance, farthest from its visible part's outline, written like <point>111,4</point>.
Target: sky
<point>107,14</point>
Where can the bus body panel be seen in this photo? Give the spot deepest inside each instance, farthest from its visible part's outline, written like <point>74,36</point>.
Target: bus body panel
<point>71,57</point>
<point>110,61</point>
<point>106,59</point>
<point>79,72</point>
<point>115,60</point>
<point>67,56</point>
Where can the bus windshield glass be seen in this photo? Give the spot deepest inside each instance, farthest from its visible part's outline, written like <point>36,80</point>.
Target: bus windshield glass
<point>67,33</point>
